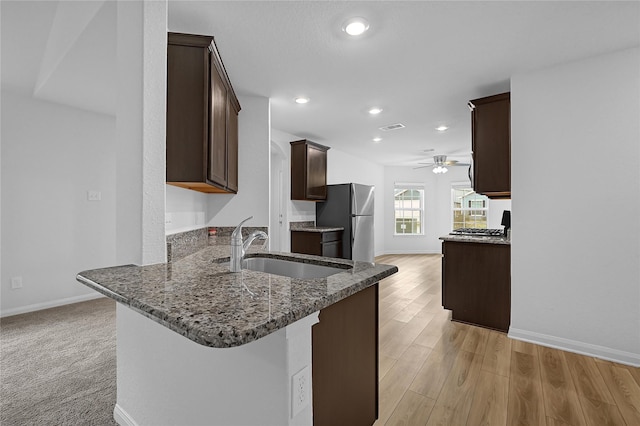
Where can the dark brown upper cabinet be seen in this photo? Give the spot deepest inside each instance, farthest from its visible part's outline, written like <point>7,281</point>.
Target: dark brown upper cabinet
<point>308,171</point>
<point>202,117</point>
<point>491,145</point>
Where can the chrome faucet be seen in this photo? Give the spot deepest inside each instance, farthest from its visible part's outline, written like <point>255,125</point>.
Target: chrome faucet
<point>239,249</point>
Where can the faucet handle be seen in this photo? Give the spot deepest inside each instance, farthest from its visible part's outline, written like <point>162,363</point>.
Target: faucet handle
<point>237,233</point>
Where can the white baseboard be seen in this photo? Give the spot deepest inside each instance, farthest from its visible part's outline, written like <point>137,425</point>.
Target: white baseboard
<point>622,357</point>
<point>122,417</point>
<point>50,304</point>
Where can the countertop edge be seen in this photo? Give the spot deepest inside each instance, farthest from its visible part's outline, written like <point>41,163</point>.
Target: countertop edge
<point>226,337</point>
<point>318,229</point>
<point>476,239</point>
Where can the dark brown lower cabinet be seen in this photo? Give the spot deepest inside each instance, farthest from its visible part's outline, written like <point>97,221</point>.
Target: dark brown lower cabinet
<point>345,362</point>
<point>476,283</point>
<point>328,244</point>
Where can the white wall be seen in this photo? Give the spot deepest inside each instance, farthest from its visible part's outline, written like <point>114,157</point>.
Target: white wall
<point>576,194</point>
<point>346,168</point>
<point>252,198</point>
<point>296,211</point>
<point>51,156</point>
<point>140,131</point>
<point>187,209</point>
<point>437,208</point>
<point>341,168</point>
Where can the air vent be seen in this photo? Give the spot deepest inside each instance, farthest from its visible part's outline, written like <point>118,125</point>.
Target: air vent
<point>392,127</point>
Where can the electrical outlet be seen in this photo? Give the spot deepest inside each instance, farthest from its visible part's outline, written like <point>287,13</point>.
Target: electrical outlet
<point>16,282</point>
<point>168,218</point>
<point>300,391</point>
<point>93,195</point>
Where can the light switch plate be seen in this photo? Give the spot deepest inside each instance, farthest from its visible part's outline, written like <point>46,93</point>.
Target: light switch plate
<point>93,195</point>
<point>16,282</point>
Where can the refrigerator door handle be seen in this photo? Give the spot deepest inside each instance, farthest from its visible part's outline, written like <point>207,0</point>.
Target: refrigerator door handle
<point>354,201</point>
<point>353,229</point>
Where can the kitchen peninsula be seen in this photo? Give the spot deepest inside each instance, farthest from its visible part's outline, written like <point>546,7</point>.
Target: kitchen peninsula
<point>197,344</point>
<point>476,279</point>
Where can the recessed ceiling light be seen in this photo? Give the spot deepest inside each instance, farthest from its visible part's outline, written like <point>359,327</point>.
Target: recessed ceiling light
<point>374,111</point>
<point>377,139</point>
<point>355,26</point>
<point>302,100</point>
<point>441,128</point>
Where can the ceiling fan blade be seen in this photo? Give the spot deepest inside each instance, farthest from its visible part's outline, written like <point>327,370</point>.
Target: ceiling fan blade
<point>426,164</point>
<point>420,167</point>
<point>460,164</point>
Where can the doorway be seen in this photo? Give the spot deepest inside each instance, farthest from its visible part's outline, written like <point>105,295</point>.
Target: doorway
<point>277,211</point>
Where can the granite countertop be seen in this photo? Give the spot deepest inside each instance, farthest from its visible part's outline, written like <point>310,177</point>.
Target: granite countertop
<point>199,298</point>
<point>477,239</point>
<point>319,229</point>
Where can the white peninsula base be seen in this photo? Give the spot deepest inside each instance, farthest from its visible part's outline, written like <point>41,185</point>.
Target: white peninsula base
<point>166,379</point>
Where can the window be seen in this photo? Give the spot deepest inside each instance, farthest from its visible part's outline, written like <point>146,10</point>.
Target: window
<point>409,208</point>
<point>469,209</point>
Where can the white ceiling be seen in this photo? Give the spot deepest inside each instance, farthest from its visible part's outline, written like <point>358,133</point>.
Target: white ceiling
<point>421,61</point>
<point>63,52</point>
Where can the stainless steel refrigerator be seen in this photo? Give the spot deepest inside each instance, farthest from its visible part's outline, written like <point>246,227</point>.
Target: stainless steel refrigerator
<point>350,205</point>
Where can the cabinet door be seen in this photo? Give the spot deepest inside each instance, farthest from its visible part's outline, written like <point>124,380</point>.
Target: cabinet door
<point>187,109</point>
<point>232,147</point>
<point>306,242</point>
<point>332,249</point>
<point>316,173</point>
<point>491,145</point>
<point>477,283</point>
<point>345,361</point>
<point>217,159</point>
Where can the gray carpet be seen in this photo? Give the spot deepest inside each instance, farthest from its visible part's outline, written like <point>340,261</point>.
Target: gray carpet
<point>58,366</point>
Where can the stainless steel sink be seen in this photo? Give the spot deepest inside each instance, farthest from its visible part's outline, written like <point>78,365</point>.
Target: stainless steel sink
<point>288,268</point>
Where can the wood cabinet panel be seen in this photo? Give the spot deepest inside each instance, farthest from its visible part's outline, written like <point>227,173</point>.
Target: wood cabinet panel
<point>345,361</point>
<point>476,283</point>
<point>187,90</point>
<point>316,173</point>
<point>327,244</point>
<point>232,147</point>
<point>491,145</point>
<point>218,130</point>
<point>202,136</point>
<point>308,171</point>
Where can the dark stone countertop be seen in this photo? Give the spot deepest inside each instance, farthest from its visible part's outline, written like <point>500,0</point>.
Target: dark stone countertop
<point>199,298</point>
<point>476,239</point>
<point>319,229</point>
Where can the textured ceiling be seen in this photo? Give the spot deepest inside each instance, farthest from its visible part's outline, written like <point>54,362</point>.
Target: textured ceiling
<point>421,61</point>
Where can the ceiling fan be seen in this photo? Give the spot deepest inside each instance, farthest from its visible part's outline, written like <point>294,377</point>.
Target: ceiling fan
<point>440,164</point>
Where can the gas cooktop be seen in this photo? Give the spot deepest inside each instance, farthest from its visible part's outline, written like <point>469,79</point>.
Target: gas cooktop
<point>478,231</point>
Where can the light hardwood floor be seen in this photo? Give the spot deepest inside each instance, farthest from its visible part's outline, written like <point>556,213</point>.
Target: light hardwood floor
<point>437,372</point>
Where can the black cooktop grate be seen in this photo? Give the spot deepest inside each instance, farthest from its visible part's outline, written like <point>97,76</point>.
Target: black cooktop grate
<point>478,231</point>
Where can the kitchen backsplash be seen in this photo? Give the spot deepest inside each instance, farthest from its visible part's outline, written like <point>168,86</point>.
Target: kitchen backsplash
<point>183,244</point>
<point>304,224</point>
